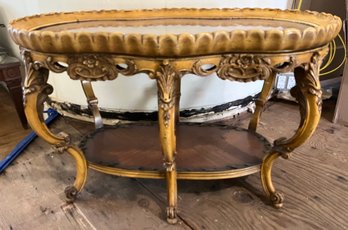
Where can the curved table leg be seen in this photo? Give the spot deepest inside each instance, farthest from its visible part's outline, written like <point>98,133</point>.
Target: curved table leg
<point>308,93</point>
<point>261,101</point>
<point>36,93</point>
<point>266,180</point>
<point>165,77</point>
<point>92,103</point>
<point>81,173</point>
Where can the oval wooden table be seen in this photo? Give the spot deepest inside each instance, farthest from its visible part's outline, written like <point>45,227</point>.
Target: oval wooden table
<point>237,44</point>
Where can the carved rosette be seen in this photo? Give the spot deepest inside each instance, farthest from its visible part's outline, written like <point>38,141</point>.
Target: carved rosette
<point>244,68</point>
<point>166,89</point>
<point>91,67</point>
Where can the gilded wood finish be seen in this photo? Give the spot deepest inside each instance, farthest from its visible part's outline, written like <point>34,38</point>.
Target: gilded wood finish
<point>167,73</point>
<point>166,77</point>
<point>36,91</point>
<point>166,58</point>
<point>260,102</point>
<point>308,92</point>
<point>320,29</point>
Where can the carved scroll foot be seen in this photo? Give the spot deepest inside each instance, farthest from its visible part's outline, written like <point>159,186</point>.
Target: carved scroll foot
<point>171,215</point>
<point>266,179</point>
<point>277,199</point>
<point>171,192</point>
<point>308,93</point>
<point>71,192</point>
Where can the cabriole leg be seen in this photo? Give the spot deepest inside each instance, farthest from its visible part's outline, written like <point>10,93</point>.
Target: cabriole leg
<point>308,94</point>
<point>165,77</point>
<point>36,91</point>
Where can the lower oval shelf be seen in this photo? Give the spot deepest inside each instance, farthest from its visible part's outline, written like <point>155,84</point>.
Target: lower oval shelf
<point>204,152</point>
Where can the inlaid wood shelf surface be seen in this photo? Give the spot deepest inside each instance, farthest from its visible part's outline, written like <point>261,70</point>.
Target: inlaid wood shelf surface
<point>168,44</point>
<point>204,151</point>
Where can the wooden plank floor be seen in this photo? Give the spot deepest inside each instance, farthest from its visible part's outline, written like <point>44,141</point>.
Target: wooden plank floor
<point>314,181</point>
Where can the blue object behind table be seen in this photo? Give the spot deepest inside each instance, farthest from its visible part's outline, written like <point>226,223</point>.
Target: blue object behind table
<point>52,114</point>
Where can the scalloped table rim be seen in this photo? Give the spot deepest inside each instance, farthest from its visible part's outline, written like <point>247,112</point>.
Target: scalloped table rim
<point>322,28</point>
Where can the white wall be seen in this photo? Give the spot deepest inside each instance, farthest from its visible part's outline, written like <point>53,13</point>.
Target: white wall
<point>135,93</point>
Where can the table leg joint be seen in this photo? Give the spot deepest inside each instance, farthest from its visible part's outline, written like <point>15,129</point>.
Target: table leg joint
<point>170,166</point>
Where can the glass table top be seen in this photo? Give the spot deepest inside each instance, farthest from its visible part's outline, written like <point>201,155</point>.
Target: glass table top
<point>174,26</point>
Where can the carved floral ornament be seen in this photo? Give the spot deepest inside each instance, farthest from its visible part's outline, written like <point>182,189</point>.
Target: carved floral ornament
<point>91,67</point>
<point>34,82</point>
<point>313,75</point>
<point>309,83</point>
<point>166,75</point>
<point>312,81</point>
<point>94,67</point>
<point>244,67</point>
<point>98,67</point>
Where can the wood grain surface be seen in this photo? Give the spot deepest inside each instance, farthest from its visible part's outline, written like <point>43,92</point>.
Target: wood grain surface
<point>11,131</point>
<point>314,181</point>
<point>199,148</point>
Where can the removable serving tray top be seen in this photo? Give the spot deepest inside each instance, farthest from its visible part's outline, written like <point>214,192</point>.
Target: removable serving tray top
<point>175,32</point>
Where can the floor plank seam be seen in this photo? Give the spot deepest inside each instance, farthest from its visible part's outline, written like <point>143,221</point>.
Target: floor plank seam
<point>163,202</point>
